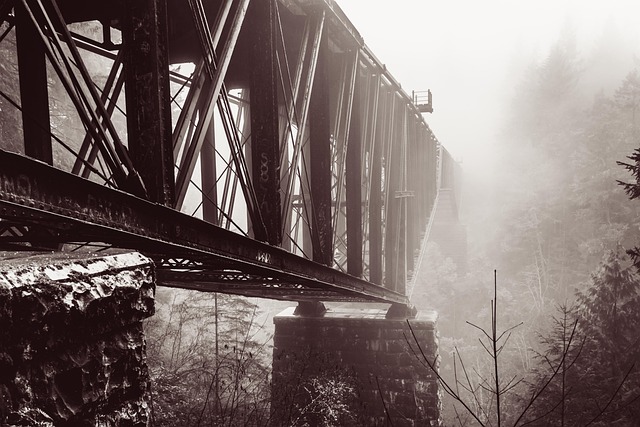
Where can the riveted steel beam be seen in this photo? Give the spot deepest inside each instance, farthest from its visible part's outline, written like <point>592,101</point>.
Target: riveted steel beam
<point>354,188</point>
<point>146,69</point>
<point>342,106</point>
<point>265,136</point>
<point>320,157</point>
<point>208,177</point>
<point>33,88</point>
<point>394,206</point>
<point>376,204</point>
<point>79,210</point>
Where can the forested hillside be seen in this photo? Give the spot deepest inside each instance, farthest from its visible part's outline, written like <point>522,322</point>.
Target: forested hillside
<point>555,224</point>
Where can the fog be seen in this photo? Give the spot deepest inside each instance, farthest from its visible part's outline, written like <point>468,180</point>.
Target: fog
<point>474,56</point>
<point>538,100</point>
<point>469,53</point>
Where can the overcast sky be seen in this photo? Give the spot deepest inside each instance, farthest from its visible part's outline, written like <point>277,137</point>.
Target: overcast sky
<point>464,51</point>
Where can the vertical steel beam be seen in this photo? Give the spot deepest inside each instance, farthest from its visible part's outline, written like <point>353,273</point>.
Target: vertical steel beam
<point>34,97</point>
<point>146,67</point>
<point>320,156</point>
<point>354,186</point>
<point>208,176</point>
<point>431,175</point>
<point>370,140</point>
<point>403,231</point>
<point>33,88</point>
<point>412,222</point>
<point>423,175</point>
<point>403,241</point>
<point>419,174</point>
<point>286,214</point>
<point>433,161</point>
<point>342,105</point>
<point>393,262</point>
<point>418,182</point>
<point>376,206</point>
<point>265,136</point>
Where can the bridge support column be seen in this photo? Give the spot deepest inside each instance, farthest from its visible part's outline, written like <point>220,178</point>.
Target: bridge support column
<point>146,69</point>
<point>34,94</point>
<point>265,139</point>
<point>360,363</point>
<point>320,155</point>
<point>72,349</point>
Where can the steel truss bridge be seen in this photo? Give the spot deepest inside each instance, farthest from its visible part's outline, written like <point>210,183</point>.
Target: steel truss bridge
<point>285,163</point>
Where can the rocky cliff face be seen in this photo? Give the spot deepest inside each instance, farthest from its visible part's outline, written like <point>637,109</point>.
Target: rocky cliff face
<point>72,349</point>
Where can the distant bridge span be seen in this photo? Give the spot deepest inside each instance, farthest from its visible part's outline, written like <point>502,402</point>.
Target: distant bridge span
<point>295,166</point>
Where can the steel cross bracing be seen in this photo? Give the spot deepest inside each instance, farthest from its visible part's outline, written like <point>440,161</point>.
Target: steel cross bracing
<point>287,163</point>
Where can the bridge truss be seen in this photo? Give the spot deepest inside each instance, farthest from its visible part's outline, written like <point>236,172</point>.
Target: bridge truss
<point>287,163</point>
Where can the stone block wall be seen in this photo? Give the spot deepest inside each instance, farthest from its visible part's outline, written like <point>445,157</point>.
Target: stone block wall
<point>360,351</point>
<point>72,349</point>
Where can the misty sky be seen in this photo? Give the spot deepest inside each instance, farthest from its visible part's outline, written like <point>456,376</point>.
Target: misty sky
<point>466,52</point>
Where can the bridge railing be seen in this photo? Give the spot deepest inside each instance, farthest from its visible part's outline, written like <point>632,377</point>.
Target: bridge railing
<point>289,134</point>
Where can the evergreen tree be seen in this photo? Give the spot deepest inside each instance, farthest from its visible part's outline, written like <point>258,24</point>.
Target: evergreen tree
<point>593,347</point>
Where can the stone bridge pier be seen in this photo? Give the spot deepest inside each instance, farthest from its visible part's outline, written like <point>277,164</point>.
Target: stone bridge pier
<point>72,349</point>
<point>355,366</point>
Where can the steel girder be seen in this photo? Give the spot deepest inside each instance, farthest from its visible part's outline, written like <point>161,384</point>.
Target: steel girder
<point>33,193</point>
<point>301,169</point>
